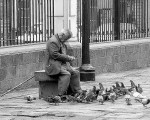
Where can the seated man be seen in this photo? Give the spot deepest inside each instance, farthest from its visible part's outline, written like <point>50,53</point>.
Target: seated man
<point>57,63</point>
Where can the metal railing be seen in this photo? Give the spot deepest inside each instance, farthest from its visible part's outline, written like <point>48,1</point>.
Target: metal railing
<point>26,21</point>
<point>112,20</point>
<point>32,21</point>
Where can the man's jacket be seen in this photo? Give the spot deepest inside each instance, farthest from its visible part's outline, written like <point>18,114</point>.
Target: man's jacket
<point>54,56</point>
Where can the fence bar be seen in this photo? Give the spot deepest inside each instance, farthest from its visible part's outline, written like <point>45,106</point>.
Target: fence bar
<point>116,20</point>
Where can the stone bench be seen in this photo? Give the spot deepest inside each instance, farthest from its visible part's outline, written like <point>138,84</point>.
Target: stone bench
<point>47,85</point>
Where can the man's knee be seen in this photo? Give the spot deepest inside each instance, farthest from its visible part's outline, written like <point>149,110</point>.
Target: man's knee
<point>76,73</point>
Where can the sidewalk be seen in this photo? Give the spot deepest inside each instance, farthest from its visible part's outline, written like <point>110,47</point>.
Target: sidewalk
<point>14,107</point>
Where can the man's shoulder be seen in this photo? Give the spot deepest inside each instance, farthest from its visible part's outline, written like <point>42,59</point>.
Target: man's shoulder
<point>53,39</point>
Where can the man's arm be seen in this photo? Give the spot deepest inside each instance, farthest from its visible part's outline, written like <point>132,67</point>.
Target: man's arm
<point>54,51</point>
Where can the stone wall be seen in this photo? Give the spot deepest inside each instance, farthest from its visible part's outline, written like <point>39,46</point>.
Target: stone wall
<point>17,64</point>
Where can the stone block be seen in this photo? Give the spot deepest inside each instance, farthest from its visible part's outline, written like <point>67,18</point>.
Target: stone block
<point>116,59</point>
<point>6,60</point>
<point>117,67</point>
<point>122,47</point>
<point>102,52</point>
<point>3,73</point>
<point>145,47</point>
<point>35,57</point>
<point>129,49</point>
<point>13,71</point>
<point>137,48</point>
<point>109,60</point>
<point>15,60</point>
<point>109,51</point>
<point>41,56</point>
<point>47,85</point>
<point>117,50</point>
<point>123,57</point>
<point>26,58</point>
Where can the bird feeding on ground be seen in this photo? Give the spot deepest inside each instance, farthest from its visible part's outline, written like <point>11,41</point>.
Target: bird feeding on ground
<point>145,101</point>
<point>29,98</point>
<point>128,98</point>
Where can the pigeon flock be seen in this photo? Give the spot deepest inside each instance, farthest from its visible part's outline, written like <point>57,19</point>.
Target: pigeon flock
<point>101,94</point>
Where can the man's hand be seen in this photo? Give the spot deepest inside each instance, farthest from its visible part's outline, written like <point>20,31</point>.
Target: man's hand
<point>72,58</point>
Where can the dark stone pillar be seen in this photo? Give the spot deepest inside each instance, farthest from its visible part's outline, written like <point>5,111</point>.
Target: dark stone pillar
<point>87,72</point>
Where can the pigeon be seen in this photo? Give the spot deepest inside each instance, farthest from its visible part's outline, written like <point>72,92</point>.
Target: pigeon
<point>82,96</point>
<point>54,99</point>
<point>145,101</point>
<point>117,85</point>
<point>132,84</point>
<point>122,85</point>
<point>101,87</point>
<point>89,96</point>
<point>128,98</point>
<point>100,99</point>
<point>29,98</point>
<point>112,96</point>
<point>139,89</point>
<point>94,89</point>
<point>71,98</point>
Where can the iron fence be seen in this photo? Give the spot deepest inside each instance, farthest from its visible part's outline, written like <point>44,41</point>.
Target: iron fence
<point>116,20</point>
<point>32,21</point>
<point>25,21</point>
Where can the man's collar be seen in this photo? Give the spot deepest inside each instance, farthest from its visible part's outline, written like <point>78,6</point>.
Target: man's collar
<point>57,37</point>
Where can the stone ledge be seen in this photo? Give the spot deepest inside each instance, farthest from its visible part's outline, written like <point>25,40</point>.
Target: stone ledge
<point>29,47</point>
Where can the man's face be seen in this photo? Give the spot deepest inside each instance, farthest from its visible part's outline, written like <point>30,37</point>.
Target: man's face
<point>65,37</point>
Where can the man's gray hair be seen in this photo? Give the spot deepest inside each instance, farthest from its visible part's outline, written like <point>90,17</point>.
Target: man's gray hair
<point>67,32</point>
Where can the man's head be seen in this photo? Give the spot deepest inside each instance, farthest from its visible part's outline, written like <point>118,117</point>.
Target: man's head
<point>65,34</point>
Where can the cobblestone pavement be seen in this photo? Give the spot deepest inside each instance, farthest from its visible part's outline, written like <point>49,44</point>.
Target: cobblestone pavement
<point>14,107</point>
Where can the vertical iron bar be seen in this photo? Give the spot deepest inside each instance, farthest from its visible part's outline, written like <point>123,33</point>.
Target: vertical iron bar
<point>45,21</point>
<point>48,27</point>
<point>35,19</point>
<point>20,30</point>
<point>102,25</point>
<point>139,18</point>
<point>23,11</point>
<point>39,20</point>
<point>0,23</point>
<point>126,17</point>
<point>53,18</point>
<point>144,21</point>
<point>80,20</point>
<point>26,16</point>
<point>116,20</point>
<point>14,24</point>
<point>51,32</point>
<point>42,19</point>
<point>131,21</point>
<point>136,20</point>
<point>7,24</point>
<point>3,21</point>
<point>147,19</point>
<point>32,20</point>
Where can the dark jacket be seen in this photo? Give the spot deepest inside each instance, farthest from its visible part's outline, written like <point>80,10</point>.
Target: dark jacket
<point>54,56</point>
